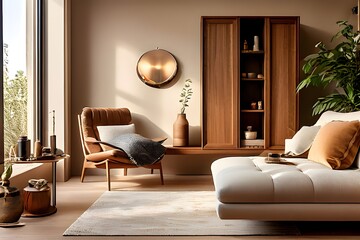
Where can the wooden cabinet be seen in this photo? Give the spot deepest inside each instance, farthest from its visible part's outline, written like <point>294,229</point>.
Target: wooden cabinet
<point>266,98</point>
<point>221,95</point>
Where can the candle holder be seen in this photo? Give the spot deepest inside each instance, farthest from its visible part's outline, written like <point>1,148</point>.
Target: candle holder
<point>53,144</point>
<point>37,149</point>
<point>53,136</point>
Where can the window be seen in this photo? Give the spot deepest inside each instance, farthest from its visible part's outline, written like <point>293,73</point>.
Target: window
<point>20,79</point>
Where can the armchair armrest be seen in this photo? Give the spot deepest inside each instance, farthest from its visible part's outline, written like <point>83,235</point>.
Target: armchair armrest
<point>91,140</point>
<point>115,155</point>
<point>159,139</point>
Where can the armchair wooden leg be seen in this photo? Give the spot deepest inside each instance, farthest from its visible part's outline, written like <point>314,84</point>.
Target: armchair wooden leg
<point>125,171</point>
<point>83,173</point>
<point>152,171</point>
<point>161,175</point>
<point>108,175</point>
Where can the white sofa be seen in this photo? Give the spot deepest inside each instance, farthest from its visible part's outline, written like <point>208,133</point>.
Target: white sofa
<point>249,188</point>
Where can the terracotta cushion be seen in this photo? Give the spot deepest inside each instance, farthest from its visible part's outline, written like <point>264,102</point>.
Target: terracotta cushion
<point>336,144</point>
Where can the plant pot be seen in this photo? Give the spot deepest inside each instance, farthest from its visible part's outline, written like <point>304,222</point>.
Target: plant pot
<point>11,204</point>
<point>181,131</point>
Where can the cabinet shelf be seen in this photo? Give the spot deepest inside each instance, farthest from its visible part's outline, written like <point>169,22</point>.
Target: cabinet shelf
<point>252,79</point>
<point>252,111</point>
<point>252,52</point>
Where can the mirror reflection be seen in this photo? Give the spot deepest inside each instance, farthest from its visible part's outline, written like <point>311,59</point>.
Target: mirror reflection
<point>156,67</point>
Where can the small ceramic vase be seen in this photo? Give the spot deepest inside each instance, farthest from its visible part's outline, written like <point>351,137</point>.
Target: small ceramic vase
<point>181,131</point>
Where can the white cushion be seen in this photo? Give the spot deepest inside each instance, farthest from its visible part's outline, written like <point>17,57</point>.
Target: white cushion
<point>302,140</point>
<point>330,116</point>
<point>109,132</point>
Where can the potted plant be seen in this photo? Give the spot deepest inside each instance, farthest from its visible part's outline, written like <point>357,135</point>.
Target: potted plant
<point>11,204</point>
<point>341,66</point>
<point>181,125</point>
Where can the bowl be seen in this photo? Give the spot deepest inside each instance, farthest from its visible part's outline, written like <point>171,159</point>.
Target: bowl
<point>251,75</point>
<point>250,135</point>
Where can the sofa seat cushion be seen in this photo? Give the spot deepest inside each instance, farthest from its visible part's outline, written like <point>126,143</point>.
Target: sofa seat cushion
<point>251,180</point>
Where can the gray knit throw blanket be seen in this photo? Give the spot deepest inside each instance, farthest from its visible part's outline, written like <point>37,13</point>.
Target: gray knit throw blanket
<point>140,150</point>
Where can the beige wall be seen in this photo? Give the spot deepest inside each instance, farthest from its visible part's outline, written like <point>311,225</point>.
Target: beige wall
<point>55,81</point>
<point>109,36</point>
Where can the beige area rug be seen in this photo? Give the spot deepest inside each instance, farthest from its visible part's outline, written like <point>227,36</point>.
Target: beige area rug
<point>165,214</point>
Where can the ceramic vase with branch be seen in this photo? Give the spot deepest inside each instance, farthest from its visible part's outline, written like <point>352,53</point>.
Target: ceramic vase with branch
<point>181,125</point>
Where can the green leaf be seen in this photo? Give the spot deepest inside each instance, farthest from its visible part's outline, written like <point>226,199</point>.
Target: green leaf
<point>185,95</point>
<point>341,66</point>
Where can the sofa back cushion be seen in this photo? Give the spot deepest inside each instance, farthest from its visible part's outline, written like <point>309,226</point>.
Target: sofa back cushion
<point>330,116</point>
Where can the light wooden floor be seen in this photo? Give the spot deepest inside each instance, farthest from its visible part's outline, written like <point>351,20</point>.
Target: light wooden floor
<point>74,197</point>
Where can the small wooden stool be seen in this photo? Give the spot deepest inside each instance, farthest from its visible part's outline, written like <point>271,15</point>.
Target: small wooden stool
<point>37,203</point>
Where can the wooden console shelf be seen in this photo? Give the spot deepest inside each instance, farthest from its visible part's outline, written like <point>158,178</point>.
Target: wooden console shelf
<point>170,150</point>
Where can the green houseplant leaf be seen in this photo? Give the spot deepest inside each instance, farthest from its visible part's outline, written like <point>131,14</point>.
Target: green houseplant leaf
<point>340,66</point>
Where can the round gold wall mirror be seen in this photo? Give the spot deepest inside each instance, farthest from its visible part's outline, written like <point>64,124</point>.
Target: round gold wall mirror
<point>156,67</point>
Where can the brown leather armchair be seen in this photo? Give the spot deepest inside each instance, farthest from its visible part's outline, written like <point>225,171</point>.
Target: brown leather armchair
<point>94,155</point>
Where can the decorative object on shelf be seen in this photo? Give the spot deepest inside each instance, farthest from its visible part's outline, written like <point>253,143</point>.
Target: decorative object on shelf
<point>249,134</point>
<point>37,149</point>
<point>259,105</point>
<point>11,203</point>
<point>260,76</point>
<point>256,43</point>
<point>246,47</point>
<point>243,75</point>
<point>39,184</point>
<point>181,131</point>
<point>251,75</point>
<point>23,148</point>
<point>53,144</point>
<point>53,136</point>
<point>253,105</point>
<point>339,65</point>
<point>156,67</point>
<point>46,151</point>
<point>181,125</point>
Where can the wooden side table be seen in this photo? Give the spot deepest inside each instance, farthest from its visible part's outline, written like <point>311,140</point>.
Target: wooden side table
<point>52,209</point>
<point>37,203</point>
